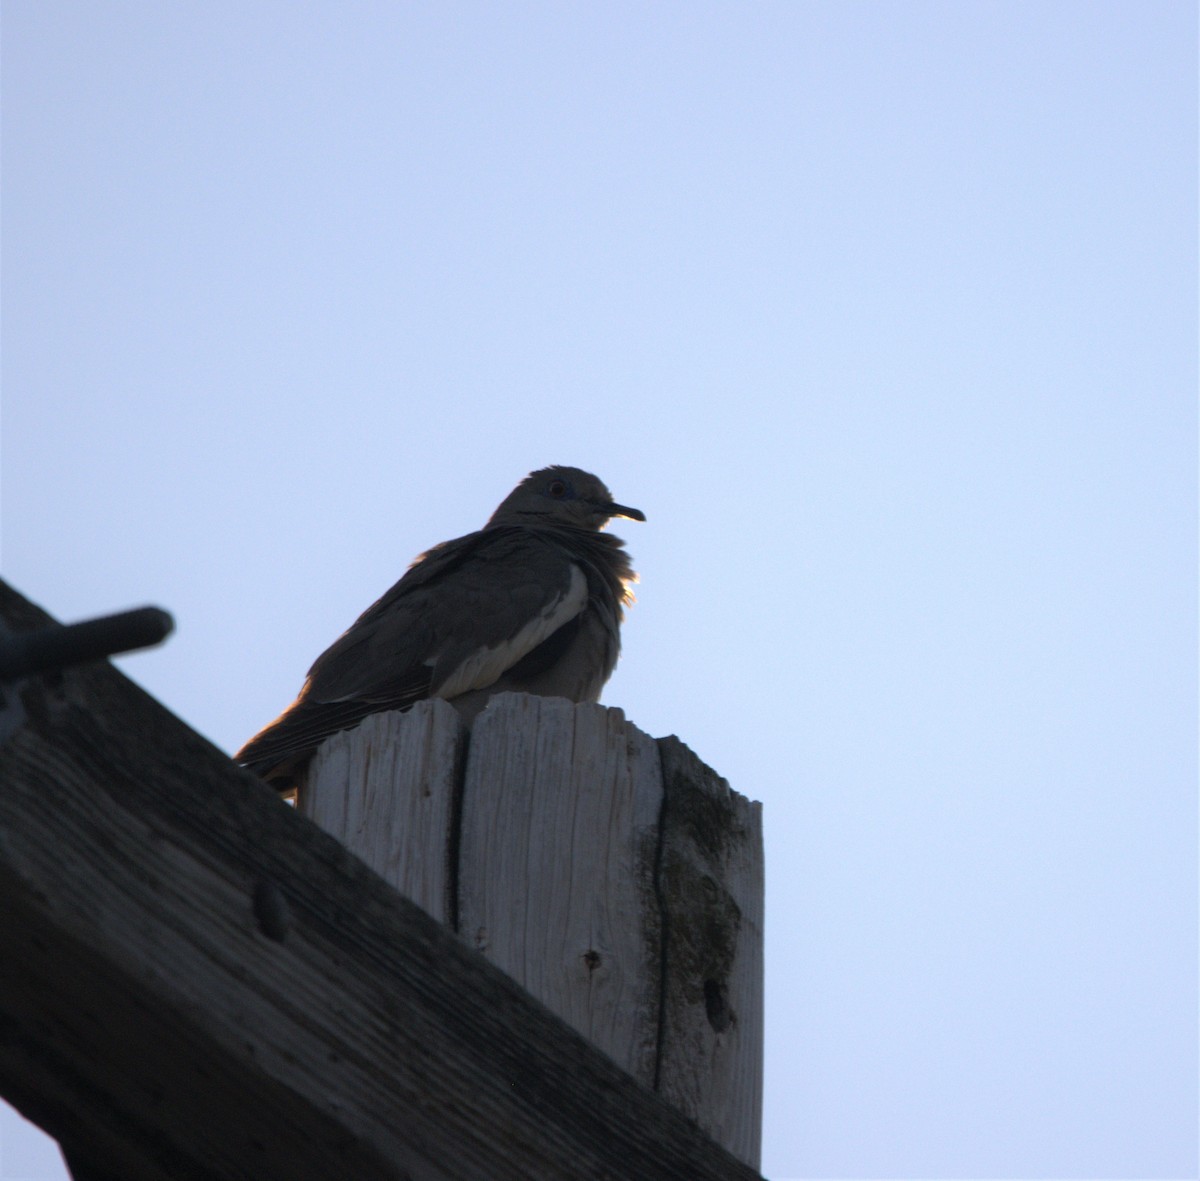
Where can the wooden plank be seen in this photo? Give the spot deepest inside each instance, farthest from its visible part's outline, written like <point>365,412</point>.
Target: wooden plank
<point>195,981</point>
<point>556,865</point>
<point>711,882</point>
<point>387,791</point>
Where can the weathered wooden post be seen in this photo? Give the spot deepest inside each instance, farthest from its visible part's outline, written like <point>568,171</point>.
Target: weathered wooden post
<point>615,877</point>
<point>196,982</point>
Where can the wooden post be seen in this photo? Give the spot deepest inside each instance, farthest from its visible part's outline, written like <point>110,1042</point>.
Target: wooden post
<point>196,982</point>
<point>616,878</point>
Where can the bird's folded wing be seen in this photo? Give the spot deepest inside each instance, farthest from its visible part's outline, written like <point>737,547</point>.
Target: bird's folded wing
<point>461,616</point>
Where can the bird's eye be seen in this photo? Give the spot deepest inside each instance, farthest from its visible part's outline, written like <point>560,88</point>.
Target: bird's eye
<point>557,489</point>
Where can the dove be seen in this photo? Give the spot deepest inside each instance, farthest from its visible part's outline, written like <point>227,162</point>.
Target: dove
<point>531,603</point>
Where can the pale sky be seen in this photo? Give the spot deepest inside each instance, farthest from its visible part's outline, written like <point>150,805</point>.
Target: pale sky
<point>885,314</point>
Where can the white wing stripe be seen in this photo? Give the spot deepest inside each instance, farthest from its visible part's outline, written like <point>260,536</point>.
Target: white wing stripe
<point>486,666</point>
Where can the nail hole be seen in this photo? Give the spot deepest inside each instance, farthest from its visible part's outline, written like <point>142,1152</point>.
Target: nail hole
<point>271,910</point>
<point>716,1006</point>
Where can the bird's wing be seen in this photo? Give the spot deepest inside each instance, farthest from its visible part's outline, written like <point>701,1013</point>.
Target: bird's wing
<point>462,615</point>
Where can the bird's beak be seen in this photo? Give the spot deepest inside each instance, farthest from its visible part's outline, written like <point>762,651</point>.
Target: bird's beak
<point>621,510</point>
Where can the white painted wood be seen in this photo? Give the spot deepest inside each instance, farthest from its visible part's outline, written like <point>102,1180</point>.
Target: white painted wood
<point>386,790</point>
<point>711,883</point>
<point>556,865</point>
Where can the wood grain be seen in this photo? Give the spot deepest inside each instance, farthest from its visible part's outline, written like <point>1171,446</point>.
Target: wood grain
<point>388,791</point>
<point>557,861</point>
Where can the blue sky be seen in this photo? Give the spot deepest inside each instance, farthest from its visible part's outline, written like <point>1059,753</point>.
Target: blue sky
<point>885,313</point>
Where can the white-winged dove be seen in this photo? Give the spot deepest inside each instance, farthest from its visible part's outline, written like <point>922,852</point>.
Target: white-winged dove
<point>531,603</point>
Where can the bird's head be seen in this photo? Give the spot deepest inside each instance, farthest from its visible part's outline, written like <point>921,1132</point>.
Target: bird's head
<point>561,496</point>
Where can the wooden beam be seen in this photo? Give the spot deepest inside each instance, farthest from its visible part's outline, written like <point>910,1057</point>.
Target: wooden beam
<point>197,982</point>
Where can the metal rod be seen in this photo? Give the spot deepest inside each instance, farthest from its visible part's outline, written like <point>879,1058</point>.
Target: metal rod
<point>57,647</point>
